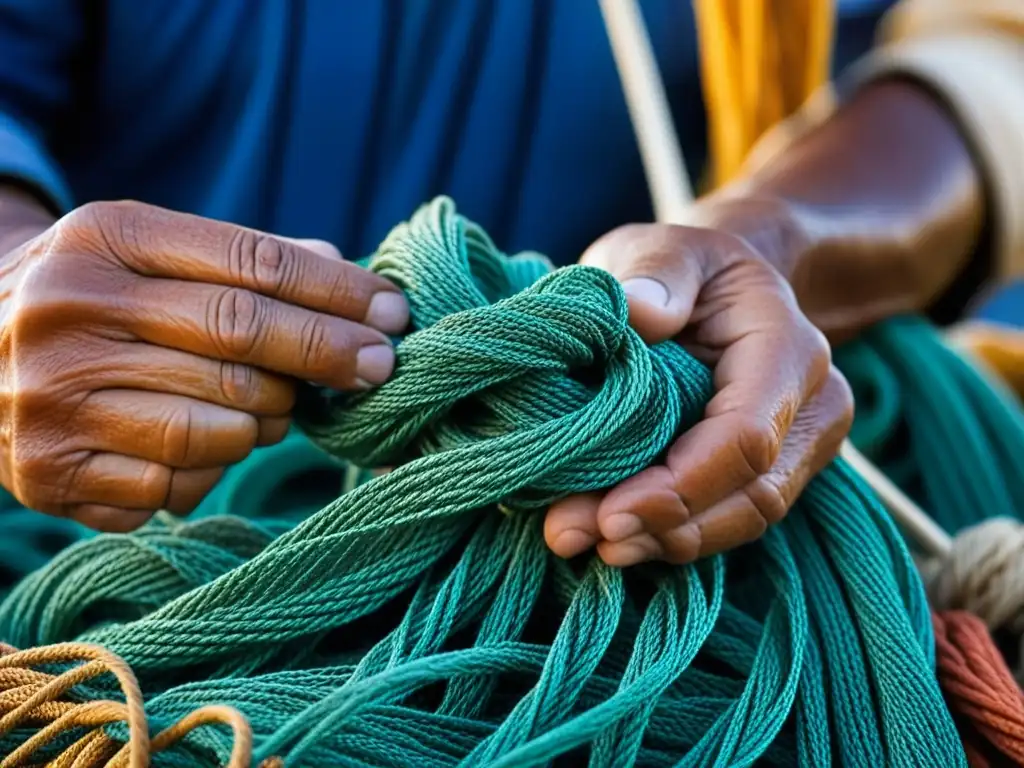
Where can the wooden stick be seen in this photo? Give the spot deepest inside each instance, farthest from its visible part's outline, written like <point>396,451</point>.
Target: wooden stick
<point>662,157</point>
<point>911,518</point>
<point>671,192</point>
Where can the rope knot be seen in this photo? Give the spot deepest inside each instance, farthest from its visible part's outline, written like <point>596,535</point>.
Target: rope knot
<point>983,573</point>
<point>505,351</point>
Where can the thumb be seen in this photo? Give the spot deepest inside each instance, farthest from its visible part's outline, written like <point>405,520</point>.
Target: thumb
<point>659,272</point>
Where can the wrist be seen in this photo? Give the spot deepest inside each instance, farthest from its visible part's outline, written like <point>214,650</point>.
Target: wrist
<point>845,276</point>
<point>873,212</point>
<point>22,217</point>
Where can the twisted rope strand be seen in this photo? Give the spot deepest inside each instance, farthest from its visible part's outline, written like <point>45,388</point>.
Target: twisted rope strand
<point>95,748</point>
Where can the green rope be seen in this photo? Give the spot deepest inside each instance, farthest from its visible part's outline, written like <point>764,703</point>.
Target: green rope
<point>418,619</point>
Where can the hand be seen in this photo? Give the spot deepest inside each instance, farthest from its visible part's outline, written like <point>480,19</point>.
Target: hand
<point>144,350</point>
<point>780,410</point>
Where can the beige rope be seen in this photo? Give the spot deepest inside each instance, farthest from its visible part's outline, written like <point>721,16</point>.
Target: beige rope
<point>29,697</point>
<point>982,573</point>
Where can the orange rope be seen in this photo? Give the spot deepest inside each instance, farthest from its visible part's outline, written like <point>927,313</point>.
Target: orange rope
<point>979,688</point>
<point>31,697</point>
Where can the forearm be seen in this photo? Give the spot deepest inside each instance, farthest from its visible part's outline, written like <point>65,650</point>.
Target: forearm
<point>885,205</point>
<point>22,217</point>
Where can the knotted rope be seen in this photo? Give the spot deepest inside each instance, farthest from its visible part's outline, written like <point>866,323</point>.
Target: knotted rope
<point>983,574</point>
<point>419,618</point>
<point>35,698</point>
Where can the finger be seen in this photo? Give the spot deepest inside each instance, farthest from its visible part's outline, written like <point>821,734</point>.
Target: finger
<point>108,519</point>
<point>660,273</point>
<point>159,369</point>
<point>762,379</point>
<point>272,430</point>
<point>167,429</point>
<point>744,516</point>
<point>112,480</point>
<point>155,242</point>
<point>648,501</point>
<point>319,247</point>
<point>570,526</point>
<point>641,548</point>
<point>242,327</point>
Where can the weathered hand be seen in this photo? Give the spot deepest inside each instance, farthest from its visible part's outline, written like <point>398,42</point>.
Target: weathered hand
<point>779,414</point>
<point>144,350</point>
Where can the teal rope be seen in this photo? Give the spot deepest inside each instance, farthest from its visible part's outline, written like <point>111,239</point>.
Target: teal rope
<point>30,540</point>
<point>419,619</point>
<point>953,440</point>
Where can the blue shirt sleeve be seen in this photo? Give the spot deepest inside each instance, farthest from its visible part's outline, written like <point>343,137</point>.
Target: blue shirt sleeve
<point>39,40</point>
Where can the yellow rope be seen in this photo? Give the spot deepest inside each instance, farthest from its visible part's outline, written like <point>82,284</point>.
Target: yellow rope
<point>760,61</point>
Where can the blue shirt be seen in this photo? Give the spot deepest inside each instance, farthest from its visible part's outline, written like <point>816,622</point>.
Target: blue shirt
<point>334,119</point>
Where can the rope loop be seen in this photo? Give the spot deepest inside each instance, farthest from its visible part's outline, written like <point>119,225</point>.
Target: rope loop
<point>43,700</point>
<point>543,362</point>
<point>983,574</point>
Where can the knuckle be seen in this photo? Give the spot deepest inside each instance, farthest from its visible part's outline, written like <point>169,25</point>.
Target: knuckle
<point>726,243</point>
<point>768,500</point>
<point>178,437</point>
<point>51,384</point>
<point>316,344</point>
<point>113,227</point>
<point>238,384</point>
<point>741,253</point>
<point>642,245</point>
<point>85,219</point>
<point>735,270</point>
<point>263,262</point>
<point>35,426</point>
<point>348,288</point>
<point>38,479</point>
<point>236,321</point>
<point>155,485</point>
<point>759,444</point>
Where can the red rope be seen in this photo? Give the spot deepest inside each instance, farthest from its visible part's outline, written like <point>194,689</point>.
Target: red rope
<point>979,689</point>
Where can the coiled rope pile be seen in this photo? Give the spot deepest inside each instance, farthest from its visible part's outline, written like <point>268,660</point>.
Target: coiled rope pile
<point>419,620</point>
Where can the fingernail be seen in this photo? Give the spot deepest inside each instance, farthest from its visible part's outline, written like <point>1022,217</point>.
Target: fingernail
<point>647,289</point>
<point>572,542</point>
<point>621,526</point>
<point>388,312</point>
<point>374,364</point>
